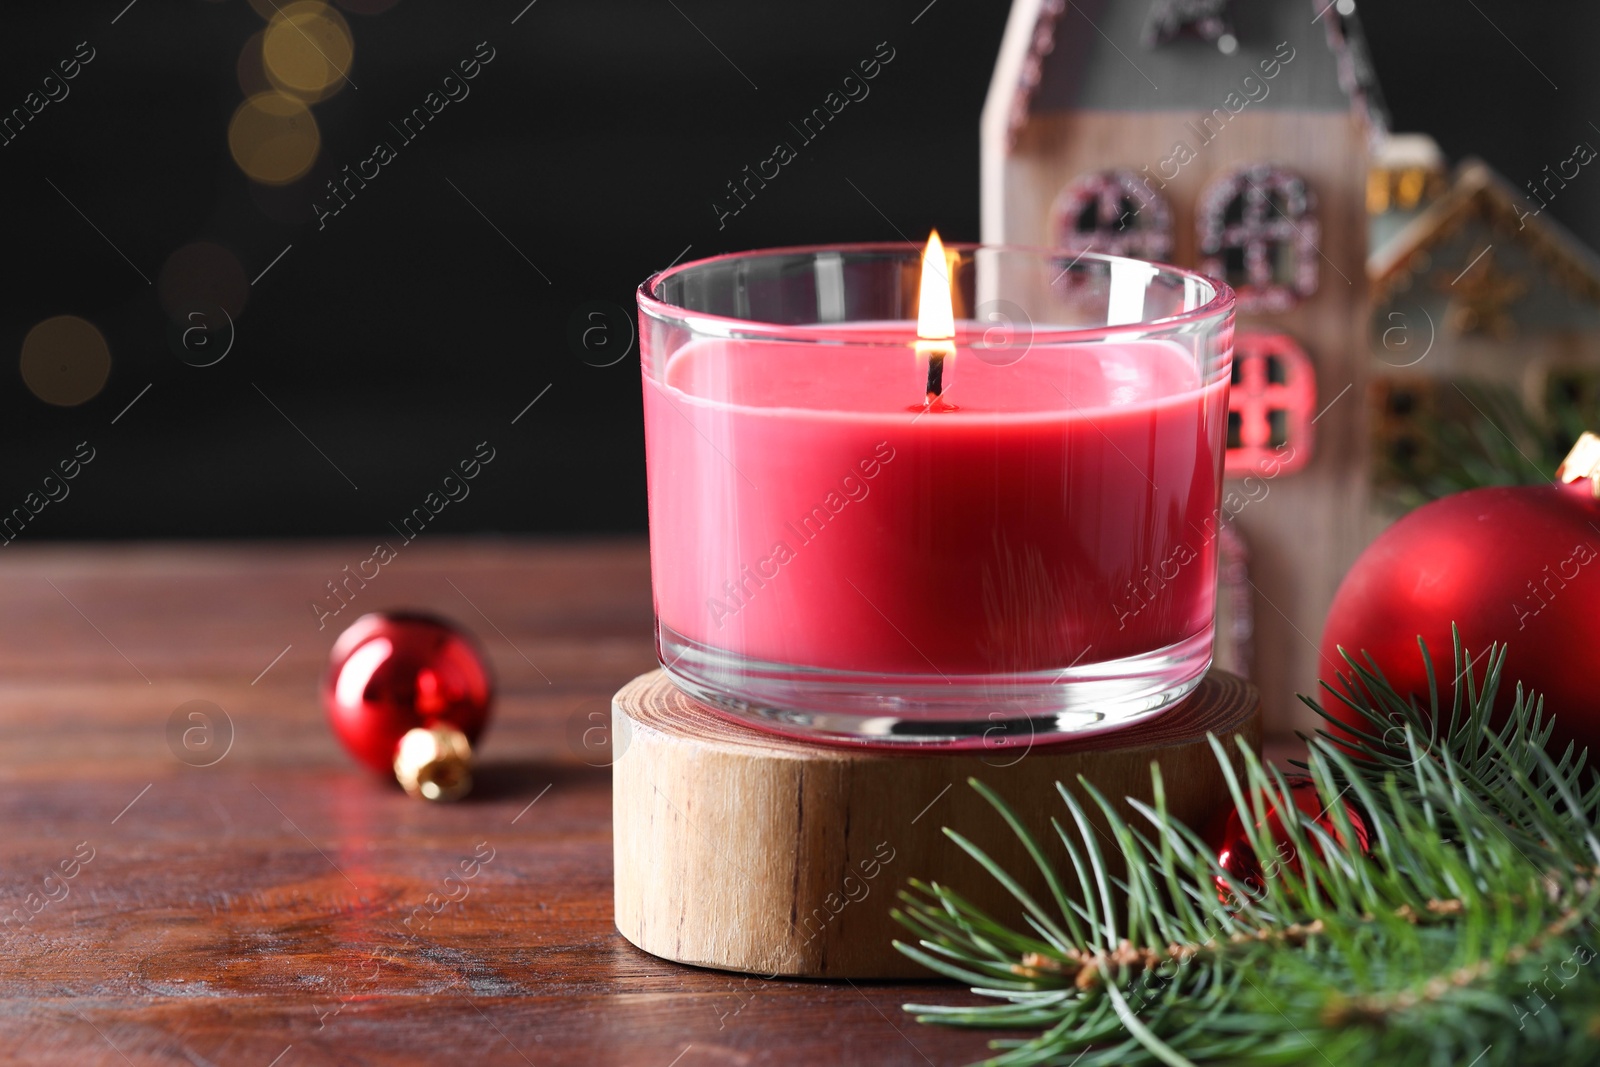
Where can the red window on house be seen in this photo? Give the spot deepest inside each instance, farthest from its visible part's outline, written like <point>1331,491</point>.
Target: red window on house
<point>1114,212</point>
<point>1258,232</point>
<point>1270,406</point>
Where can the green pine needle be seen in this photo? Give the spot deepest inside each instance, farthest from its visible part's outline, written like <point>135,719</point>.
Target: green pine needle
<point>1465,936</point>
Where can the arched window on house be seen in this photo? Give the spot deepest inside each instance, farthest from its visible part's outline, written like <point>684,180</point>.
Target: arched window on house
<point>1258,232</point>
<point>1270,406</point>
<point>1114,212</point>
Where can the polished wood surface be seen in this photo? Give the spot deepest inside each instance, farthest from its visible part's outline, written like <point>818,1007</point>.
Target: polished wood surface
<point>281,907</point>
<point>739,849</point>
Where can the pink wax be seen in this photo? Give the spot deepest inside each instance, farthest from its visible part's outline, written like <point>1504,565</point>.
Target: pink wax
<point>803,514</point>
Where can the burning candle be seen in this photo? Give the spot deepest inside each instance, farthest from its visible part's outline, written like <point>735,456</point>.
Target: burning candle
<point>936,319</point>
<point>934,497</point>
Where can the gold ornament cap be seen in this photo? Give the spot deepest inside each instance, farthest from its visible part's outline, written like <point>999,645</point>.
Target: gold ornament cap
<point>1582,462</point>
<point>434,763</point>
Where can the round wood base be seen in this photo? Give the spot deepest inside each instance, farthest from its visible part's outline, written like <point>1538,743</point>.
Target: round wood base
<point>746,851</point>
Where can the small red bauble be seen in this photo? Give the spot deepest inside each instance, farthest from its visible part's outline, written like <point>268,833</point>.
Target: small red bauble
<point>408,694</point>
<point>1251,872</point>
<point>1518,565</point>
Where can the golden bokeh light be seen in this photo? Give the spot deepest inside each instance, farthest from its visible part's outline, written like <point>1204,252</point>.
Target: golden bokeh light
<point>274,138</point>
<point>250,69</point>
<point>65,361</point>
<point>307,49</point>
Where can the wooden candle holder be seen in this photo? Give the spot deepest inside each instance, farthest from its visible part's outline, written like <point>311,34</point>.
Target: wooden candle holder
<point>745,851</point>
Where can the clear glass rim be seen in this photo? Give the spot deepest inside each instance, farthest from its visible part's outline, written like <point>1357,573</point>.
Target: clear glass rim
<point>1217,308</point>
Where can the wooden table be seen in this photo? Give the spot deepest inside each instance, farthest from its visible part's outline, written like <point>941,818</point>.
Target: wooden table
<point>255,911</point>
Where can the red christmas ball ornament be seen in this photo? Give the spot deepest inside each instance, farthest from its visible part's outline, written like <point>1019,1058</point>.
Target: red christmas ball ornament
<point>1517,565</point>
<point>1237,857</point>
<point>409,694</point>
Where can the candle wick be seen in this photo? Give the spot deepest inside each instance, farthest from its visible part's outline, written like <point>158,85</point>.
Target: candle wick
<point>939,352</point>
<point>935,376</point>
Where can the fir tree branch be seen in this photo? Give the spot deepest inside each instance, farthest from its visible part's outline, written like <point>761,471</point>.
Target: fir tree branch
<point>1452,941</point>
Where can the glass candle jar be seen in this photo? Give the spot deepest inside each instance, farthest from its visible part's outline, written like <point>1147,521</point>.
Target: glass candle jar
<point>859,534</point>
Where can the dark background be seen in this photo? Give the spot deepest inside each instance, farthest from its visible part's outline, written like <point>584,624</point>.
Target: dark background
<point>409,329</point>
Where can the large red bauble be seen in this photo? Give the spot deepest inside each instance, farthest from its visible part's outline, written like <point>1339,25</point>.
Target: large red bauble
<point>393,672</point>
<point>1251,872</point>
<point>1518,565</point>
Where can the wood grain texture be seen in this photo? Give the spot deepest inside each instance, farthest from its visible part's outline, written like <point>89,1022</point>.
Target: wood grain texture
<point>741,850</point>
<point>256,911</point>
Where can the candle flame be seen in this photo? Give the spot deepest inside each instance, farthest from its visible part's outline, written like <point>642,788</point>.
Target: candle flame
<point>1583,462</point>
<point>936,320</point>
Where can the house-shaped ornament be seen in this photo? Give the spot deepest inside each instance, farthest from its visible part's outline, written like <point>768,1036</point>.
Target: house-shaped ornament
<point>1232,138</point>
<point>1474,285</point>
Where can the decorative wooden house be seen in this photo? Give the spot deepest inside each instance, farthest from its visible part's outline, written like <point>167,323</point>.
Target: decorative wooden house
<point>1232,138</point>
<point>1473,285</point>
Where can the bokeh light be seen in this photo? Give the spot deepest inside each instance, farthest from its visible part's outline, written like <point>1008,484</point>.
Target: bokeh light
<point>65,361</point>
<point>199,277</point>
<point>250,69</point>
<point>307,50</point>
<point>273,138</point>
